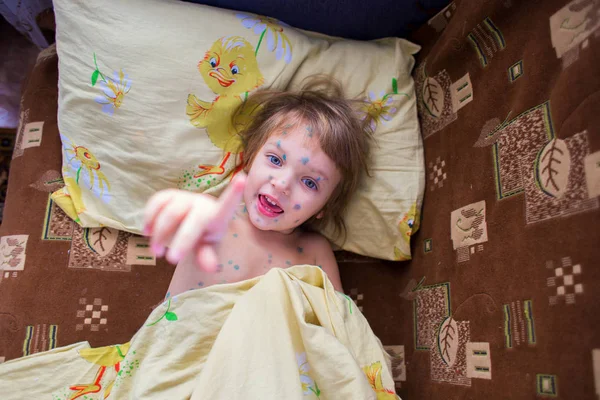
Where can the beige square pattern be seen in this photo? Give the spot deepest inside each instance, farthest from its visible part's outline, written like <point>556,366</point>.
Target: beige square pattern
<point>468,225</point>
<point>129,68</point>
<point>32,134</point>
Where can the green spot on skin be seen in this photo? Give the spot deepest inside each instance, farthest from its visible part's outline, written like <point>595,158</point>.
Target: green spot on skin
<point>236,267</point>
<point>230,262</point>
<point>235,235</point>
<point>284,157</point>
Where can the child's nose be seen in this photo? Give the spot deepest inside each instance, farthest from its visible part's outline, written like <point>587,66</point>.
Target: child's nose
<point>281,183</point>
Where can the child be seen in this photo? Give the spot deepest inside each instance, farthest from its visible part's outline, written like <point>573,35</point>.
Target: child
<point>305,153</point>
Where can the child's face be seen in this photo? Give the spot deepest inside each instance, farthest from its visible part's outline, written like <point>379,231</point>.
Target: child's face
<point>290,180</point>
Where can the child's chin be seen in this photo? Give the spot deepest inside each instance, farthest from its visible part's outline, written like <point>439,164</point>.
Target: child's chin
<point>273,227</point>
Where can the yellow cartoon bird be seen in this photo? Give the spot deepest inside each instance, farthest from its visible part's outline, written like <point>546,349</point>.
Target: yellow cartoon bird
<point>105,357</point>
<point>407,226</point>
<point>399,255</point>
<point>410,223</point>
<point>373,374</point>
<point>230,70</point>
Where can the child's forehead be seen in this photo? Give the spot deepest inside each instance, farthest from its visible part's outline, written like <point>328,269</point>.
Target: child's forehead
<point>300,133</point>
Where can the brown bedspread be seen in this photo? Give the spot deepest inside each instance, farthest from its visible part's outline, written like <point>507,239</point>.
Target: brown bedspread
<point>509,244</point>
<point>500,300</point>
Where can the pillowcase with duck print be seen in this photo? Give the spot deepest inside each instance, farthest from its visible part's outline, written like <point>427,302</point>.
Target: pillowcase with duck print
<point>142,109</point>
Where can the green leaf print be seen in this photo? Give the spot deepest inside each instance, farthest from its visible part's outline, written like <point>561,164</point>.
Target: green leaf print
<point>168,315</point>
<point>395,85</point>
<point>95,77</point>
<point>171,316</point>
<point>315,390</point>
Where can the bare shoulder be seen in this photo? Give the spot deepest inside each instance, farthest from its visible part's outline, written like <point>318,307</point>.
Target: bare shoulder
<point>319,247</point>
<point>314,242</point>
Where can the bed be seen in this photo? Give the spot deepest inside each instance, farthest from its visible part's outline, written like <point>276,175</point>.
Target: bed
<point>498,300</point>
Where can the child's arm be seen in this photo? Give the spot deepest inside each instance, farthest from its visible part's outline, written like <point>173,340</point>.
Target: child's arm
<point>191,223</point>
<point>326,260</point>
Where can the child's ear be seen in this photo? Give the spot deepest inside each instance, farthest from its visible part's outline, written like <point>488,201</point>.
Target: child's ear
<point>319,215</point>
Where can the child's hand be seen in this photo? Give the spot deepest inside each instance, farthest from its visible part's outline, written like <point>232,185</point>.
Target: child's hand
<point>191,222</point>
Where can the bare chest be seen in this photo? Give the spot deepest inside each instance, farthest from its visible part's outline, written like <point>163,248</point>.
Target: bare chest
<point>245,253</point>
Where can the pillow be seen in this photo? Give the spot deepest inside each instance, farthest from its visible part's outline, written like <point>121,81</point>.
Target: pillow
<point>137,113</point>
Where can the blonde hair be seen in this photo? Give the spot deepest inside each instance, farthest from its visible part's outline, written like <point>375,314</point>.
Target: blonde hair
<point>334,120</point>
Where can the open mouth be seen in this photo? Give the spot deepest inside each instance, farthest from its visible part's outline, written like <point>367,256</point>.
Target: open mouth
<point>221,79</point>
<point>268,206</point>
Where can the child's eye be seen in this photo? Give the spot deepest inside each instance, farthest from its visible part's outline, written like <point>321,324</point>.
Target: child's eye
<point>311,184</point>
<point>275,160</point>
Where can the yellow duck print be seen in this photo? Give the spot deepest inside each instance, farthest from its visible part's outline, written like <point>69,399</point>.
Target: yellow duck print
<point>407,226</point>
<point>230,70</point>
<point>410,223</point>
<point>104,357</point>
<point>373,374</point>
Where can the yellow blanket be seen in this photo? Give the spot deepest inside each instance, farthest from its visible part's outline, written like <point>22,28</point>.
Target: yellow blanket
<point>285,335</point>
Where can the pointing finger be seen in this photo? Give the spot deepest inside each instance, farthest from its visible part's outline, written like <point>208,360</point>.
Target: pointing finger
<point>206,258</point>
<point>231,199</point>
<point>188,235</point>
